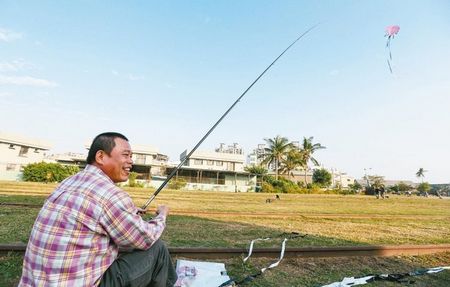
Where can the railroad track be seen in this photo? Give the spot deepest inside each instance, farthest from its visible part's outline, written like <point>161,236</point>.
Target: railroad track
<point>305,252</point>
<point>204,253</point>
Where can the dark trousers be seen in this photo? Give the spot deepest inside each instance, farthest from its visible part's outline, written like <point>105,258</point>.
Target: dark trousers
<point>142,268</point>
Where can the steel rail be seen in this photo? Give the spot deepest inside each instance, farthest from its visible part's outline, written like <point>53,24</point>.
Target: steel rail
<point>294,252</point>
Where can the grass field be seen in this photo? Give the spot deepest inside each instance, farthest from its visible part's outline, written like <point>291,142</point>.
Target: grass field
<point>213,219</point>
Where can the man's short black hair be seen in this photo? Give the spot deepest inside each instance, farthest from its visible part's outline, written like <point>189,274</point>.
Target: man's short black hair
<point>104,142</point>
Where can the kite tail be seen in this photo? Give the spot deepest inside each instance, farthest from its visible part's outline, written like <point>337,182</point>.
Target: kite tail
<point>389,64</point>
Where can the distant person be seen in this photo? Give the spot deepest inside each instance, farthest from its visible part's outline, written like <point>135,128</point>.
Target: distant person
<point>77,234</point>
<point>380,192</point>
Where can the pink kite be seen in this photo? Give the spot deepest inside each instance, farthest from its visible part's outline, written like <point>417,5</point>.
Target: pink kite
<point>391,31</point>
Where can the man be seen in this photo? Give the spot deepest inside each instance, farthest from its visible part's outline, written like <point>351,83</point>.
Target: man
<point>77,234</point>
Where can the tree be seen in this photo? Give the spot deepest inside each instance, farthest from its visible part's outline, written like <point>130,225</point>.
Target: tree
<point>424,187</point>
<point>421,173</point>
<point>402,187</point>
<point>377,182</point>
<point>293,159</point>
<point>355,187</point>
<point>278,148</point>
<point>308,148</point>
<point>256,170</point>
<point>322,177</point>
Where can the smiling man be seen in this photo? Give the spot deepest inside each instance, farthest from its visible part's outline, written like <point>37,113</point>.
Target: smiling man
<point>77,234</point>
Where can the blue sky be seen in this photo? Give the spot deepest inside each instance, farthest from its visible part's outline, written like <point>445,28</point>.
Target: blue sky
<point>163,72</point>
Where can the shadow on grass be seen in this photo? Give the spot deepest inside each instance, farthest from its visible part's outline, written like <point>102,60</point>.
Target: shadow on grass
<point>191,231</point>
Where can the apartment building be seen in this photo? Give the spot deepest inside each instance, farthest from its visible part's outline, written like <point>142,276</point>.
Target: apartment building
<point>221,169</point>
<point>148,161</point>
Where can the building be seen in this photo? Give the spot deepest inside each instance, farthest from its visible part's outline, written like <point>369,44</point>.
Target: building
<point>69,158</point>
<point>17,152</point>
<point>222,169</point>
<point>257,155</point>
<point>297,175</point>
<point>340,179</point>
<point>387,182</point>
<point>148,161</point>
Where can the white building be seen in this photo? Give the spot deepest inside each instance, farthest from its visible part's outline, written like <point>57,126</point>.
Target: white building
<point>256,156</point>
<point>340,179</point>
<point>222,169</point>
<point>148,161</point>
<point>217,161</point>
<point>16,152</point>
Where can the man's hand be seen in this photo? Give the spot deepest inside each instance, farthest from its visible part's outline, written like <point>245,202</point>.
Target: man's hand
<point>163,210</point>
<point>141,211</point>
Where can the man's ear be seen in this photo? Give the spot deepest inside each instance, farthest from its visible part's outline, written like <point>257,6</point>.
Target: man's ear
<point>99,157</point>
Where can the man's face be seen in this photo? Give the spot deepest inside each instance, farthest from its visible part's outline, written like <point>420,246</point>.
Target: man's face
<point>118,164</point>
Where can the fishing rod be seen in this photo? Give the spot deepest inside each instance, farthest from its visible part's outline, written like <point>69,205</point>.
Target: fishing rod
<point>169,177</point>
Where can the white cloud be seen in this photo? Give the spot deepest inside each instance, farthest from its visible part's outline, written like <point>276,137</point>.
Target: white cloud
<point>26,81</point>
<point>15,65</point>
<point>114,72</point>
<point>132,77</point>
<point>8,35</point>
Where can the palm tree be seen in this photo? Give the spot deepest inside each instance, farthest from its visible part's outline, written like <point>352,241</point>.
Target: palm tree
<point>308,148</point>
<point>256,170</point>
<point>294,158</point>
<point>421,173</point>
<point>277,150</point>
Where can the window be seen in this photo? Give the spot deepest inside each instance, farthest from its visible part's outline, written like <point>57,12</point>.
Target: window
<point>210,162</point>
<point>219,163</point>
<point>23,151</point>
<point>198,162</point>
<point>140,158</point>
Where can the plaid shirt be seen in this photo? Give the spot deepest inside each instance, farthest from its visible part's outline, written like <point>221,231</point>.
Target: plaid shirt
<point>79,229</point>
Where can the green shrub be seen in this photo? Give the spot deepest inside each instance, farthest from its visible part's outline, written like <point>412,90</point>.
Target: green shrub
<point>48,172</point>
<point>301,184</point>
<point>281,185</point>
<point>177,183</point>
<point>267,187</point>
<point>132,180</point>
<point>269,179</point>
<point>288,186</point>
